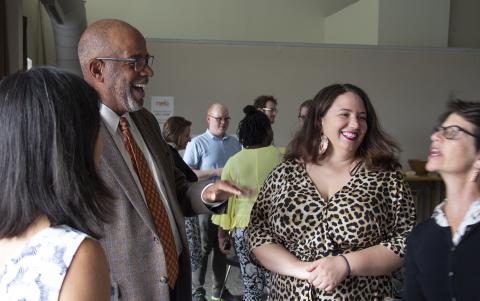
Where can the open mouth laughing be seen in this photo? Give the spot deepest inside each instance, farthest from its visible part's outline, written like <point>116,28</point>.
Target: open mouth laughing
<point>349,135</point>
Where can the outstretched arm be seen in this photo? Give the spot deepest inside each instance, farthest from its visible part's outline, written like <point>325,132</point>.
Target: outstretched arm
<point>207,173</point>
<point>220,191</point>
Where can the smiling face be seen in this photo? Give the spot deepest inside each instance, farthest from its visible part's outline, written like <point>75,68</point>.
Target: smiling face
<point>453,156</point>
<point>123,89</point>
<point>345,124</point>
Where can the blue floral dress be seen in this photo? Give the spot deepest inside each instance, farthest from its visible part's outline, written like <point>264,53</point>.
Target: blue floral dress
<point>37,273</point>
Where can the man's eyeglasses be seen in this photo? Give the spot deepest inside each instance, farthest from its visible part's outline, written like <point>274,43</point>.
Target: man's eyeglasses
<point>452,131</point>
<point>138,62</point>
<point>275,110</point>
<point>219,119</point>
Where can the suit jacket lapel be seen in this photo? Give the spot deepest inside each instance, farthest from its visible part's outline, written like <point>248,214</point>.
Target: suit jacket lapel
<point>160,154</point>
<point>113,162</point>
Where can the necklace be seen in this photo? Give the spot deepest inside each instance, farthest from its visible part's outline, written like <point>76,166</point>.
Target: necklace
<point>356,168</point>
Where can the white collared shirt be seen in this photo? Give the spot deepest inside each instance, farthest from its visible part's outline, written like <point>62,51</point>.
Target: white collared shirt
<point>471,217</point>
<point>111,120</point>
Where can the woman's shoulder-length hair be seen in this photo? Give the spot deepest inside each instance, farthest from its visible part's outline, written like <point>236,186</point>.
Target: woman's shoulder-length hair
<point>378,151</point>
<point>173,128</point>
<point>50,124</point>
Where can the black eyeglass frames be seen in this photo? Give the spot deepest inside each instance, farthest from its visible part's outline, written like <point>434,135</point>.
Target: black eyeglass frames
<point>452,131</point>
<point>220,119</point>
<point>138,62</point>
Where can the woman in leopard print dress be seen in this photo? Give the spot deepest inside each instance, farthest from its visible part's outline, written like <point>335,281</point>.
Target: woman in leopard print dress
<point>331,221</point>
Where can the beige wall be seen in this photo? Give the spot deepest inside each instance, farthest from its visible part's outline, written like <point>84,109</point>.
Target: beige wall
<point>365,22</point>
<point>14,34</point>
<point>387,22</point>
<point>414,23</point>
<point>408,87</point>
<point>246,20</point>
<point>355,24</point>
<point>41,44</point>
<point>330,7</point>
<point>464,24</point>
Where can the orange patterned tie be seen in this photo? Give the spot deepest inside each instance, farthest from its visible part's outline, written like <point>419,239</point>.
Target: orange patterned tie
<point>154,202</point>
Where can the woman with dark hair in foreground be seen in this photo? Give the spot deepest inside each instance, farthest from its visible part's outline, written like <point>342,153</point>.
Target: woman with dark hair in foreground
<point>51,197</point>
<point>442,260</point>
<point>331,221</point>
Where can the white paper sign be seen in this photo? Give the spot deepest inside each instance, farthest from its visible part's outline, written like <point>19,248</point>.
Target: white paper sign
<point>162,108</point>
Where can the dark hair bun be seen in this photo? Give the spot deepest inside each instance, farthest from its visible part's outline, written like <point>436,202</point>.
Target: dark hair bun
<point>249,110</point>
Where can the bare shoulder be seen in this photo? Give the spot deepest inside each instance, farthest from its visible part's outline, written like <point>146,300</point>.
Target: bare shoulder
<point>88,276</point>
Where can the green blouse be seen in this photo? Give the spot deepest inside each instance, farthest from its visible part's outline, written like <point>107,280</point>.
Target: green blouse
<point>250,168</point>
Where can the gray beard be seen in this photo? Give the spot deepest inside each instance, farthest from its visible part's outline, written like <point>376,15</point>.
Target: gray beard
<point>130,104</point>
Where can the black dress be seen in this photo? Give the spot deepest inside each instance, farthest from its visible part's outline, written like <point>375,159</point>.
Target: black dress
<point>436,269</point>
<point>180,164</point>
<point>192,227</point>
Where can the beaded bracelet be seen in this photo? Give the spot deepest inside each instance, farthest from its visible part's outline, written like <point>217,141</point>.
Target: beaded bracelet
<point>348,264</point>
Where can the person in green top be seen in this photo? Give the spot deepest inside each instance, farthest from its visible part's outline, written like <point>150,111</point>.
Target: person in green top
<point>249,167</point>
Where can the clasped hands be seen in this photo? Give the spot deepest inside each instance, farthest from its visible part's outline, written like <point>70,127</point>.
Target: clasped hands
<point>325,273</point>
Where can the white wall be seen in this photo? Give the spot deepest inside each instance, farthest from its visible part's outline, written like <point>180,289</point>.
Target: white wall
<point>355,24</point>
<point>417,23</point>
<point>408,87</point>
<point>245,20</point>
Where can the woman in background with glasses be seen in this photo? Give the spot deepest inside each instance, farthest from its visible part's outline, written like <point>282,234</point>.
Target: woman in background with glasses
<point>442,261</point>
<point>268,105</point>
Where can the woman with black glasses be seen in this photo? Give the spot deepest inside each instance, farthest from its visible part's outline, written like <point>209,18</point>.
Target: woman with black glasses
<point>442,261</point>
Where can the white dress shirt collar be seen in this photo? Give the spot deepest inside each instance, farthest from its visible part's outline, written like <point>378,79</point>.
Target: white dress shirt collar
<point>471,217</point>
<point>112,119</point>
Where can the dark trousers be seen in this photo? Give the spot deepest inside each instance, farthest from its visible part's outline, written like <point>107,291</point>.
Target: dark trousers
<point>209,239</point>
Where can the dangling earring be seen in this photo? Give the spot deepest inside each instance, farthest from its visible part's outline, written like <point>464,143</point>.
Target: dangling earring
<point>323,145</point>
<point>476,173</point>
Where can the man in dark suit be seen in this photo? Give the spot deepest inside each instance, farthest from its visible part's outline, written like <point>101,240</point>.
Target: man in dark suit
<point>139,244</point>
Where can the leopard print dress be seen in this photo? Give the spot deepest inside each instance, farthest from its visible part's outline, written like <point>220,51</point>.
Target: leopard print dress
<point>373,208</point>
